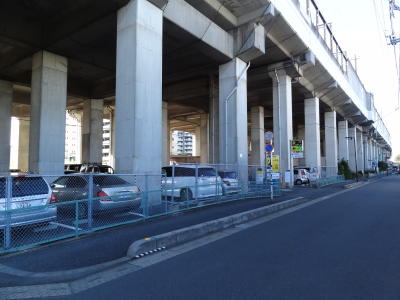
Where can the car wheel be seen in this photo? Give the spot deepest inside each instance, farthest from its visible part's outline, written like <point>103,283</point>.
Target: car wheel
<point>298,182</point>
<point>186,194</point>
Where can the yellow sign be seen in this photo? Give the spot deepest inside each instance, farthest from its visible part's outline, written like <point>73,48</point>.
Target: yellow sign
<point>275,163</point>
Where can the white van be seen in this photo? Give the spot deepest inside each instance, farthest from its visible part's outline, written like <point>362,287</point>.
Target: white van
<point>301,176</point>
<point>180,182</point>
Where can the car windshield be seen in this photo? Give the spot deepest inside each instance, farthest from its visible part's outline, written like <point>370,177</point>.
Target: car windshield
<point>105,181</point>
<point>231,175</point>
<point>28,186</point>
<point>207,172</point>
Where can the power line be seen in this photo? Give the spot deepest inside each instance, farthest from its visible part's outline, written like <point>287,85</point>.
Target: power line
<point>393,41</point>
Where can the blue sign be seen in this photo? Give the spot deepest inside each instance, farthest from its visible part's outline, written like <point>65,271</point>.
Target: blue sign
<point>269,148</point>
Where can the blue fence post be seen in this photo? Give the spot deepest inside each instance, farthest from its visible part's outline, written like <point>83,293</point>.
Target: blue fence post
<point>90,202</point>
<point>196,189</point>
<point>146,197</point>
<point>173,184</point>
<point>7,225</point>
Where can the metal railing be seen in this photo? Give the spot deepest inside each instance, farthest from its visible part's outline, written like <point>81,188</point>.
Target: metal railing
<point>312,13</point>
<point>40,209</point>
<point>325,181</point>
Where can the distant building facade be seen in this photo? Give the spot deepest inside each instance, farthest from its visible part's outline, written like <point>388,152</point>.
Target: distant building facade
<point>181,143</point>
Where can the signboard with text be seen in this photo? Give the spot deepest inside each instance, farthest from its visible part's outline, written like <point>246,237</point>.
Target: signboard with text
<point>275,163</point>
<point>297,148</point>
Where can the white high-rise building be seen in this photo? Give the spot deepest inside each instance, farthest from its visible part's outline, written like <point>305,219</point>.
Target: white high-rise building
<point>73,138</point>
<point>107,159</point>
<point>182,143</point>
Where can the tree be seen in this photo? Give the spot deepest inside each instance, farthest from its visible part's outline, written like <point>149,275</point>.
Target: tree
<point>397,159</point>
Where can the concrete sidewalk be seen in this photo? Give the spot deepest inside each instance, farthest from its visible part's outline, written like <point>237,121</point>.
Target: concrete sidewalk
<point>93,252</point>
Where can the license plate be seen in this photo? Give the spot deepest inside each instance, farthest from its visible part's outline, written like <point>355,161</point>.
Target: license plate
<point>23,205</point>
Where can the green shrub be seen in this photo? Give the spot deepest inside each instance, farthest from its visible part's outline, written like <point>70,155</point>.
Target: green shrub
<point>344,169</point>
<point>383,166</point>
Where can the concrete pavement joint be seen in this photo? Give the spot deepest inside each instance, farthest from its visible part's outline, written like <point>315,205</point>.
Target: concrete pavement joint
<point>134,265</point>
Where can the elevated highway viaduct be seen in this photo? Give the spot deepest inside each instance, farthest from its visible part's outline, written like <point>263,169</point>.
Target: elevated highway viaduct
<point>227,71</point>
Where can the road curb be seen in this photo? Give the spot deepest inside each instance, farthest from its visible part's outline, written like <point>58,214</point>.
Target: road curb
<point>149,245</point>
<point>170,239</point>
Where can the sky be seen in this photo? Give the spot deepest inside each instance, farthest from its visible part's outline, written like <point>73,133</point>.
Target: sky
<point>360,27</point>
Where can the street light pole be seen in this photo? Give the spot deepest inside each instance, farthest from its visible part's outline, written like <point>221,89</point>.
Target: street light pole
<point>355,153</point>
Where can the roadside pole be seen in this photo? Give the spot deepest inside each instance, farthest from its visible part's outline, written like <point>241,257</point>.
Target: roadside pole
<point>268,152</point>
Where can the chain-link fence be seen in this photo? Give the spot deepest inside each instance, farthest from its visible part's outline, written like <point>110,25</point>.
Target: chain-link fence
<point>328,171</point>
<point>39,209</point>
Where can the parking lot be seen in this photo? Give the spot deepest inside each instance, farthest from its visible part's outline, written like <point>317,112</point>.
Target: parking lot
<point>42,209</point>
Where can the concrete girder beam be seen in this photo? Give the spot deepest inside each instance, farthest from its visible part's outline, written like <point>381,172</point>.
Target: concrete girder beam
<point>224,16</point>
<point>289,67</point>
<point>250,41</point>
<point>262,15</point>
<point>191,20</point>
<point>306,60</point>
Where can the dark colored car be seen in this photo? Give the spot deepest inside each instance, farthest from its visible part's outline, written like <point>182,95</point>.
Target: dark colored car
<point>72,168</point>
<point>96,168</point>
<point>110,192</point>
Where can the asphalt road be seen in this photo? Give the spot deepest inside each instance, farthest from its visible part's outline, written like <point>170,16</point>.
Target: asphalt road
<point>347,247</point>
<point>83,252</point>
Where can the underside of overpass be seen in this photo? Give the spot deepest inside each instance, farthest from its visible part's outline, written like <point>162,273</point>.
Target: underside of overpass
<point>85,32</point>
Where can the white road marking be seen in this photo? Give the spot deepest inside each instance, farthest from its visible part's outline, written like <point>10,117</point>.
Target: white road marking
<point>64,226</point>
<point>135,214</point>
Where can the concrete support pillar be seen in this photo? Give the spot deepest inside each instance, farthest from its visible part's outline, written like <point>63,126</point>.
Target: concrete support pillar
<point>301,132</point>
<point>92,131</point>
<point>367,164</point>
<point>197,142</point>
<point>370,155</point>
<point>283,120</point>
<point>6,96</point>
<point>300,135</point>
<point>165,135</point>
<point>214,120</point>
<point>343,142</point>
<point>257,155</point>
<point>360,151</point>
<point>233,117</point>
<point>23,144</point>
<point>331,152</point>
<point>112,140</point>
<point>373,154</point>
<point>204,138</point>
<point>312,147</point>
<point>138,112</point>
<point>353,149</point>
<point>48,106</point>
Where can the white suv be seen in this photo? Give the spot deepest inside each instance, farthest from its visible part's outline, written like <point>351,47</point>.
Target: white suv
<point>180,182</point>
